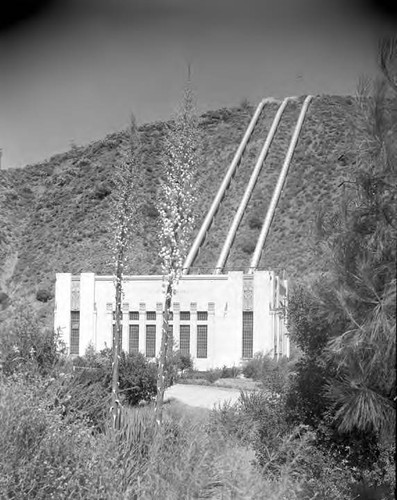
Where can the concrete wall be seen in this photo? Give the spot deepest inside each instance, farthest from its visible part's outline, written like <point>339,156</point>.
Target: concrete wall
<point>224,297</point>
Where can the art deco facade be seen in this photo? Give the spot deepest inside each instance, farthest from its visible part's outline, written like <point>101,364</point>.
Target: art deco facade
<point>218,319</point>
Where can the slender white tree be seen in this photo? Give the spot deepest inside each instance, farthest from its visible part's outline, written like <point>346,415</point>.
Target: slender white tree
<point>123,213</point>
<point>176,214</point>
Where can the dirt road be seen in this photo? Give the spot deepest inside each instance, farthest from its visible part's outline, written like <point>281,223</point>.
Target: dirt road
<point>200,395</point>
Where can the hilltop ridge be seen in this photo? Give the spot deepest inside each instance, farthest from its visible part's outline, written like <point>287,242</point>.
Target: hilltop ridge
<point>54,215</point>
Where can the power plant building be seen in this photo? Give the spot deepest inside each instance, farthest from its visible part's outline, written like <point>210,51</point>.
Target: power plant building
<point>219,319</point>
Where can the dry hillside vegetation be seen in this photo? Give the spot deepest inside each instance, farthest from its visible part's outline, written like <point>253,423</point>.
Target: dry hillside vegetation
<point>54,215</point>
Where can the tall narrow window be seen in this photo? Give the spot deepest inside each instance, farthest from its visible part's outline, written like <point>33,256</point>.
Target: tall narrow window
<point>74,332</point>
<point>248,334</point>
<point>202,341</point>
<point>134,339</point>
<point>184,339</point>
<point>150,341</point>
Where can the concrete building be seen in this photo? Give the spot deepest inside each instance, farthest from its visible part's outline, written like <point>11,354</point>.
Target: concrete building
<point>219,319</point>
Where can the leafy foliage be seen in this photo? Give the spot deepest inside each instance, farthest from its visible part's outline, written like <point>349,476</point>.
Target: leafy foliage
<point>361,242</point>
<point>86,393</point>
<point>26,346</point>
<point>345,322</point>
<point>271,372</point>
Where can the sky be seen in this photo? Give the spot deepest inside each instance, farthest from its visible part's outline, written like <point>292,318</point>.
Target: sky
<point>72,71</point>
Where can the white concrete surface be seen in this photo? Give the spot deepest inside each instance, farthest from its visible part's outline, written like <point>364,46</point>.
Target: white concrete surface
<point>223,297</point>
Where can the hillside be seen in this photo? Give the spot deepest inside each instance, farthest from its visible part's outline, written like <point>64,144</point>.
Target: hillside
<point>54,215</point>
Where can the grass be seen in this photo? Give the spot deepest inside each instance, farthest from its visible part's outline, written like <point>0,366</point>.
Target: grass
<point>235,451</point>
<point>55,214</point>
<point>44,457</point>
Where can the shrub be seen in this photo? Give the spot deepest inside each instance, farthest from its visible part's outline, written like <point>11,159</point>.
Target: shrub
<point>230,372</point>
<point>138,378</point>
<point>102,191</point>
<point>253,367</point>
<point>43,295</point>
<point>248,247</point>
<point>4,301</point>
<point>255,222</point>
<point>86,394</point>
<point>213,375</point>
<point>181,362</point>
<point>245,104</point>
<point>41,456</point>
<point>273,373</point>
<point>26,346</point>
<point>229,420</point>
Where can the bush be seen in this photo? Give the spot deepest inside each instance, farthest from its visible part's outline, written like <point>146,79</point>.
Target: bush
<point>248,247</point>
<point>138,378</point>
<point>86,394</point>
<point>273,373</point>
<point>4,301</point>
<point>255,222</point>
<point>213,375</point>
<point>43,295</point>
<point>41,456</point>
<point>230,372</point>
<point>181,362</point>
<point>26,346</point>
<point>102,191</point>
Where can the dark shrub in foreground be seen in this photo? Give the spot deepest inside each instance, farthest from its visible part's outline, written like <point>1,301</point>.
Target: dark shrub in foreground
<point>86,393</point>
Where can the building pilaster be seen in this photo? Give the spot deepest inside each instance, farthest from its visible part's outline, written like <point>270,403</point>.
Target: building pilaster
<point>211,333</point>
<point>193,329</point>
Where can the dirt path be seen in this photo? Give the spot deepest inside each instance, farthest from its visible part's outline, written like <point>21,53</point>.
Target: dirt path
<point>201,396</point>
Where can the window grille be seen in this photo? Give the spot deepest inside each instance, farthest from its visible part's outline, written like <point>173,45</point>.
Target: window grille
<point>184,339</point>
<point>134,315</point>
<point>134,338</point>
<point>150,341</point>
<point>202,316</point>
<point>248,334</point>
<point>151,316</point>
<point>202,341</point>
<point>185,316</point>
<point>74,332</point>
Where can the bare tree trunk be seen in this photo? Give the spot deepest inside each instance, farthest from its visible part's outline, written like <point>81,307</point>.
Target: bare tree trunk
<point>163,357</point>
<point>116,406</point>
